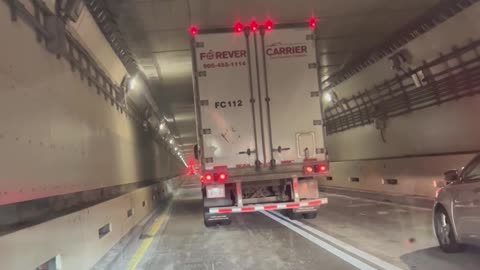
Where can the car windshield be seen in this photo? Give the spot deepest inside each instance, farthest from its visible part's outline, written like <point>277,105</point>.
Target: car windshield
<point>254,134</point>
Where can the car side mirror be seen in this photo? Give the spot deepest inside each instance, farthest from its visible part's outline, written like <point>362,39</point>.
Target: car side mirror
<point>451,176</point>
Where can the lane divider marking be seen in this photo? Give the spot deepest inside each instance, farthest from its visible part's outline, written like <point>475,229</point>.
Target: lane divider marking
<point>353,250</point>
<point>330,248</point>
<point>142,249</point>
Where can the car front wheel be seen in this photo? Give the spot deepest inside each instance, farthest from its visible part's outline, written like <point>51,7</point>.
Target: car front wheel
<point>444,232</point>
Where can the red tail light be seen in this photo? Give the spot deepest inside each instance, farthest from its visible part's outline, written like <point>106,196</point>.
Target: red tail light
<point>322,168</point>
<point>238,27</point>
<point>308,169</point>
<point>207,178</point>
<point>268,25</point>
<point>222,177</point>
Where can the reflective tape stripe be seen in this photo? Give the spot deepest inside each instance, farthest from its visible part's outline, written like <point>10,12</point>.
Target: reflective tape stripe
<point>293,205</point>
<point>267,207</point>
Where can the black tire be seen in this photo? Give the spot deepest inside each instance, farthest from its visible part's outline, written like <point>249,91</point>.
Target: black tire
<point>294,216</point>
<point>310,215</point>
<point>444,232</point>
<point>209,223</point>
<point>214,222</point>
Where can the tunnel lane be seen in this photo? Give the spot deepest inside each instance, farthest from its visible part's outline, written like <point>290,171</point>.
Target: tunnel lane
<point>349,233</point>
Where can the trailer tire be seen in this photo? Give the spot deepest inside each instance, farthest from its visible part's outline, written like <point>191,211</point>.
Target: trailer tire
<point>294,215</point>
<point>310,215</point>
<point>209,224</point>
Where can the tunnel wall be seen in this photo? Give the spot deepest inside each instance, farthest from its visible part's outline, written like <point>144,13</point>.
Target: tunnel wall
<point>419,146</point>
<point>57,135</point>
<point>75,237</point>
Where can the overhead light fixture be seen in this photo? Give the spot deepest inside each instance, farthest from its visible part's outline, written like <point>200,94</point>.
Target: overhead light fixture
<point>176,148</point>
<point>330,96</point>
<point>327,97</point>
<point>132,83</point>
<point>171,141</point>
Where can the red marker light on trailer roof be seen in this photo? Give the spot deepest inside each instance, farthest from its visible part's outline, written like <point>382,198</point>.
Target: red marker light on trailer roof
<point>238,27</point>
<point>268,25</point>
<point>193,30</point>
<point>254,26</point>
<point>312,22</point>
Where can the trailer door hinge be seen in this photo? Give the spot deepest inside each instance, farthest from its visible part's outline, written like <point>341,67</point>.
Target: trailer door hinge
<point>320,151</point>
<point>209,160</point>
<point>204,102</point>
<point>199,44</point>
<point>202,74</point>
<point>312,65</point>
<point>309,37</point>
<point>315,94</point>
<point>317,122</point>
<point>207,131</point>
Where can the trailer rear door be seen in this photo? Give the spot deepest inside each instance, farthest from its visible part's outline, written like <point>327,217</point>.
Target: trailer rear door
<point>289,80</point>
<point>224,94</point>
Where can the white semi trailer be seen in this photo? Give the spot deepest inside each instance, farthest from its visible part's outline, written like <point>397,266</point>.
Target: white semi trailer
<point>259,120</point>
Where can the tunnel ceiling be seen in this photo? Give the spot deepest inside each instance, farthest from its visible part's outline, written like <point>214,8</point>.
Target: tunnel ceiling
<point>157,33</point>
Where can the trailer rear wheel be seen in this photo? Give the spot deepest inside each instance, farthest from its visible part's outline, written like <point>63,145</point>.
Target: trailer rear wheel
<point>310,215</point>
<point>294,215</point>
<point>211,220</point>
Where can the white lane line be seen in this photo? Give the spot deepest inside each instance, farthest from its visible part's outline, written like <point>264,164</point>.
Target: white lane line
<point>360,205</point>
<point>353,250</point>
<point>335,251</point>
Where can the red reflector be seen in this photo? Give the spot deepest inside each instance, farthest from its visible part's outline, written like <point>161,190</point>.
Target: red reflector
<point>268,25</point>
<point>308,169</point>
<point>224,211</point>
<point>312,22</point>
<point>293,205</point>
<point>254,26</point>
<point>238,27</point>
<point>314,203</point>
<point>247,209</point>
<point>270,207</point>
<point>193,30</point>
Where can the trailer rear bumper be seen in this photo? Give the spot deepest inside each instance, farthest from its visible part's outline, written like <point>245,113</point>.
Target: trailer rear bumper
<point>307,205</point>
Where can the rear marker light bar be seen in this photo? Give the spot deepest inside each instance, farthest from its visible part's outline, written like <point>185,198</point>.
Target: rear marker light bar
<point>269,207</point>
